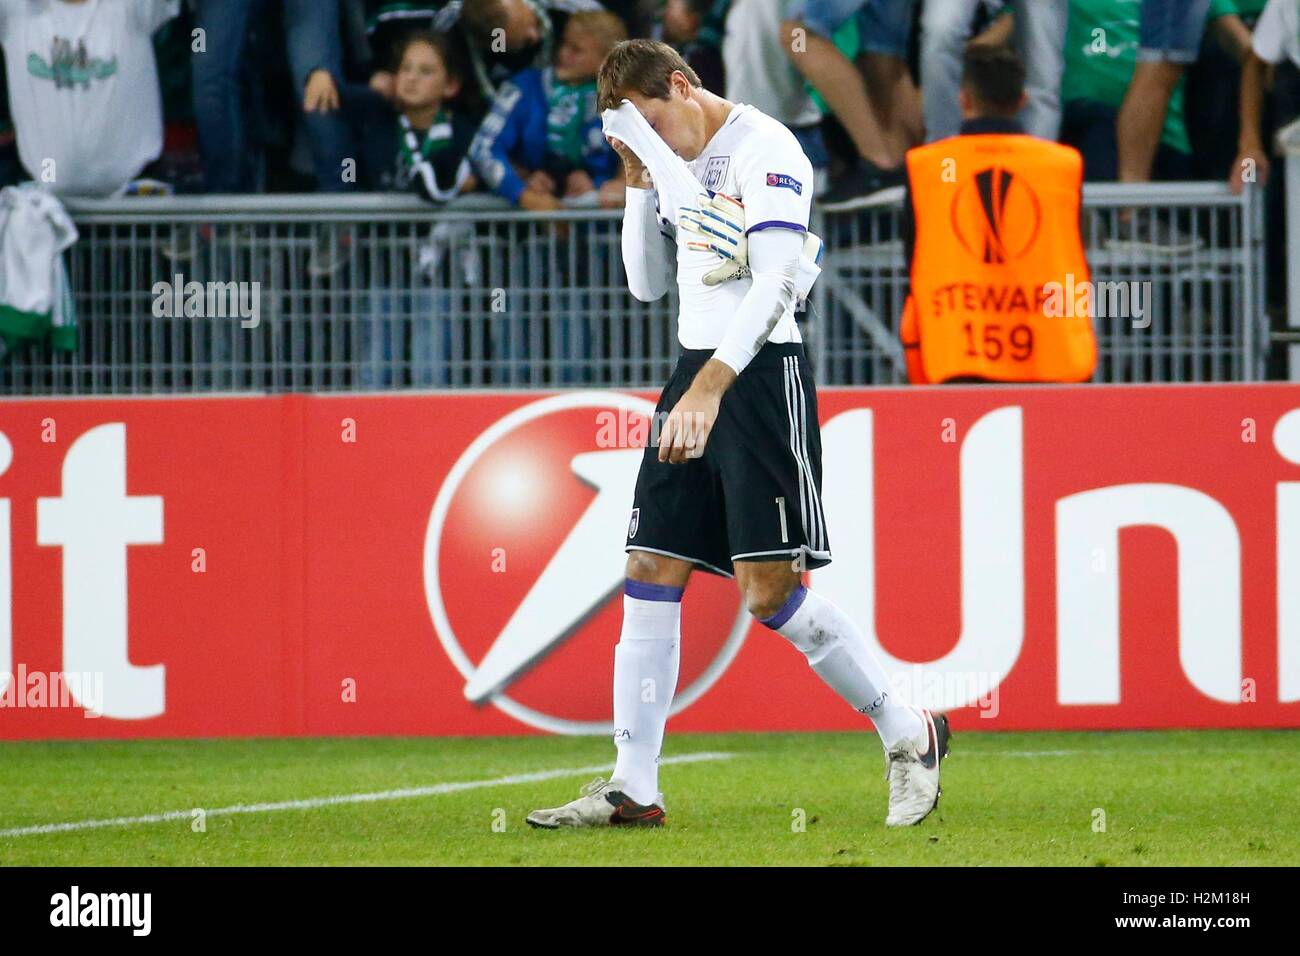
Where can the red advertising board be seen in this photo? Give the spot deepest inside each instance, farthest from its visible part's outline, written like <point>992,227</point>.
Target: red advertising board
<point>1072,557</point>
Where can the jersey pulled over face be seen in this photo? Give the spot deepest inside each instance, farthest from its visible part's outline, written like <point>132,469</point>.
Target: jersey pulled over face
<point>757,160</point>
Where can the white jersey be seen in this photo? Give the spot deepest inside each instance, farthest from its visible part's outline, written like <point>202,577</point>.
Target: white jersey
<point>756,159</point>
<point>83,89</point>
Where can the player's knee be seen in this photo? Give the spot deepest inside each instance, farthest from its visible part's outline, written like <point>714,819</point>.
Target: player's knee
<point>656,569</point>
<point>641,567</point>
<point>765,598</point>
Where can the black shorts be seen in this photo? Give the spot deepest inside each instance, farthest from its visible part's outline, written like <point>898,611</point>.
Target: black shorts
<point>755,493</point>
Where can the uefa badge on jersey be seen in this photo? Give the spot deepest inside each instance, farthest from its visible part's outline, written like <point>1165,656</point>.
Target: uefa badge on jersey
<point>632,525</point>
<point>782,181</point>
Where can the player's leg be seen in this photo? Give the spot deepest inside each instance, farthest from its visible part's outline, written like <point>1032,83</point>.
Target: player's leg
<point>769,450</point>
<point>646,662</point>
<point>677,524</point>
<point>833,645</point>
<point>915,740</point>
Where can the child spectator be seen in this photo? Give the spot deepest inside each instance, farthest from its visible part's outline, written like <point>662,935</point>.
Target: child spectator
<point>431,136</point>
<point>420,140</point>
<point>543,135</point>
<point>83,90</point>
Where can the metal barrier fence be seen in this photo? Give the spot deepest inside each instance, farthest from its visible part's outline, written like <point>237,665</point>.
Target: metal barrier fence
<point>1195,251</point>
<point>385,292</point>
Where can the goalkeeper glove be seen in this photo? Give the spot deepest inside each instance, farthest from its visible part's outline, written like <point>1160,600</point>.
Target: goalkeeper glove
<point>718,226</point>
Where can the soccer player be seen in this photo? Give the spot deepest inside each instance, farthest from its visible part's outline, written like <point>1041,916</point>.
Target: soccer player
<point>733,485</point>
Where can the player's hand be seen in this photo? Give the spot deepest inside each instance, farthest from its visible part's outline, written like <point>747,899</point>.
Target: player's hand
<point>718,226</point>
<point>686,430</point>
<point>634,172</point>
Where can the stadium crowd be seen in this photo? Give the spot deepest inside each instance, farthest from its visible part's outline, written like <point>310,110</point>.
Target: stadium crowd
<point>499,96</point>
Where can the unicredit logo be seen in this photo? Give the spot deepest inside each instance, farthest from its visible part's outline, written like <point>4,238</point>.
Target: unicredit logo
<point>523,567</point>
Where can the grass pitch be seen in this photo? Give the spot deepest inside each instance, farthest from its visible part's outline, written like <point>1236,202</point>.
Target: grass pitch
<point>1216,798</point>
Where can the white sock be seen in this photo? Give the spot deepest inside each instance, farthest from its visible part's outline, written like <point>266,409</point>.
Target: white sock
<point>646,659</point>
<point>837,651</point>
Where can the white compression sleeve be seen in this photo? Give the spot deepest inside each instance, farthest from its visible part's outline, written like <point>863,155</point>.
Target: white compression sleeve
<point>774,264</point>
<point>647,260</point>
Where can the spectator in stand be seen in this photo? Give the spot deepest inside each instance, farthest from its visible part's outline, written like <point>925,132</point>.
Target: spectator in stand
<point>949,244</point>
<point>1276,47</point>
<point>759,72</point>
<point>421,142</point>
<point>1169,41</point>
<point>529,28</point>
<point>866,100</point>
<point>682,20</point>
<point>83,90</point>
<point>388,24</point>
<point>696,29</point>
<point>542,139</point>
<point>221,71</point>
<point>1214,86</point>
<point>1039,34</point>
<point>315,47</point>
<point>1101,54</point>
<point>218,69</point>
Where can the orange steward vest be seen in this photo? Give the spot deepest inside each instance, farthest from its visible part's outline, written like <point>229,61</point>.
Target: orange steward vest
<point>999,283</point>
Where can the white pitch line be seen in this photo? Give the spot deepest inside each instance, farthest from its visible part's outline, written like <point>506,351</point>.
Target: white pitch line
<point>312,804</point>
<point>1027,753</point>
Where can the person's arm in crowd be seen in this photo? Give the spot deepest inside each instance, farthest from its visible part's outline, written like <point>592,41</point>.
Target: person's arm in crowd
<point>498,137</point>
<point>1252,156</point>
<point>999,32</point>
<point>315,48</point>
<point>1233,35</point>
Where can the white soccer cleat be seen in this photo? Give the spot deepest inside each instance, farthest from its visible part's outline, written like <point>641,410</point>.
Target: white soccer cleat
<point>912,769</point>
<point>602,804</point>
